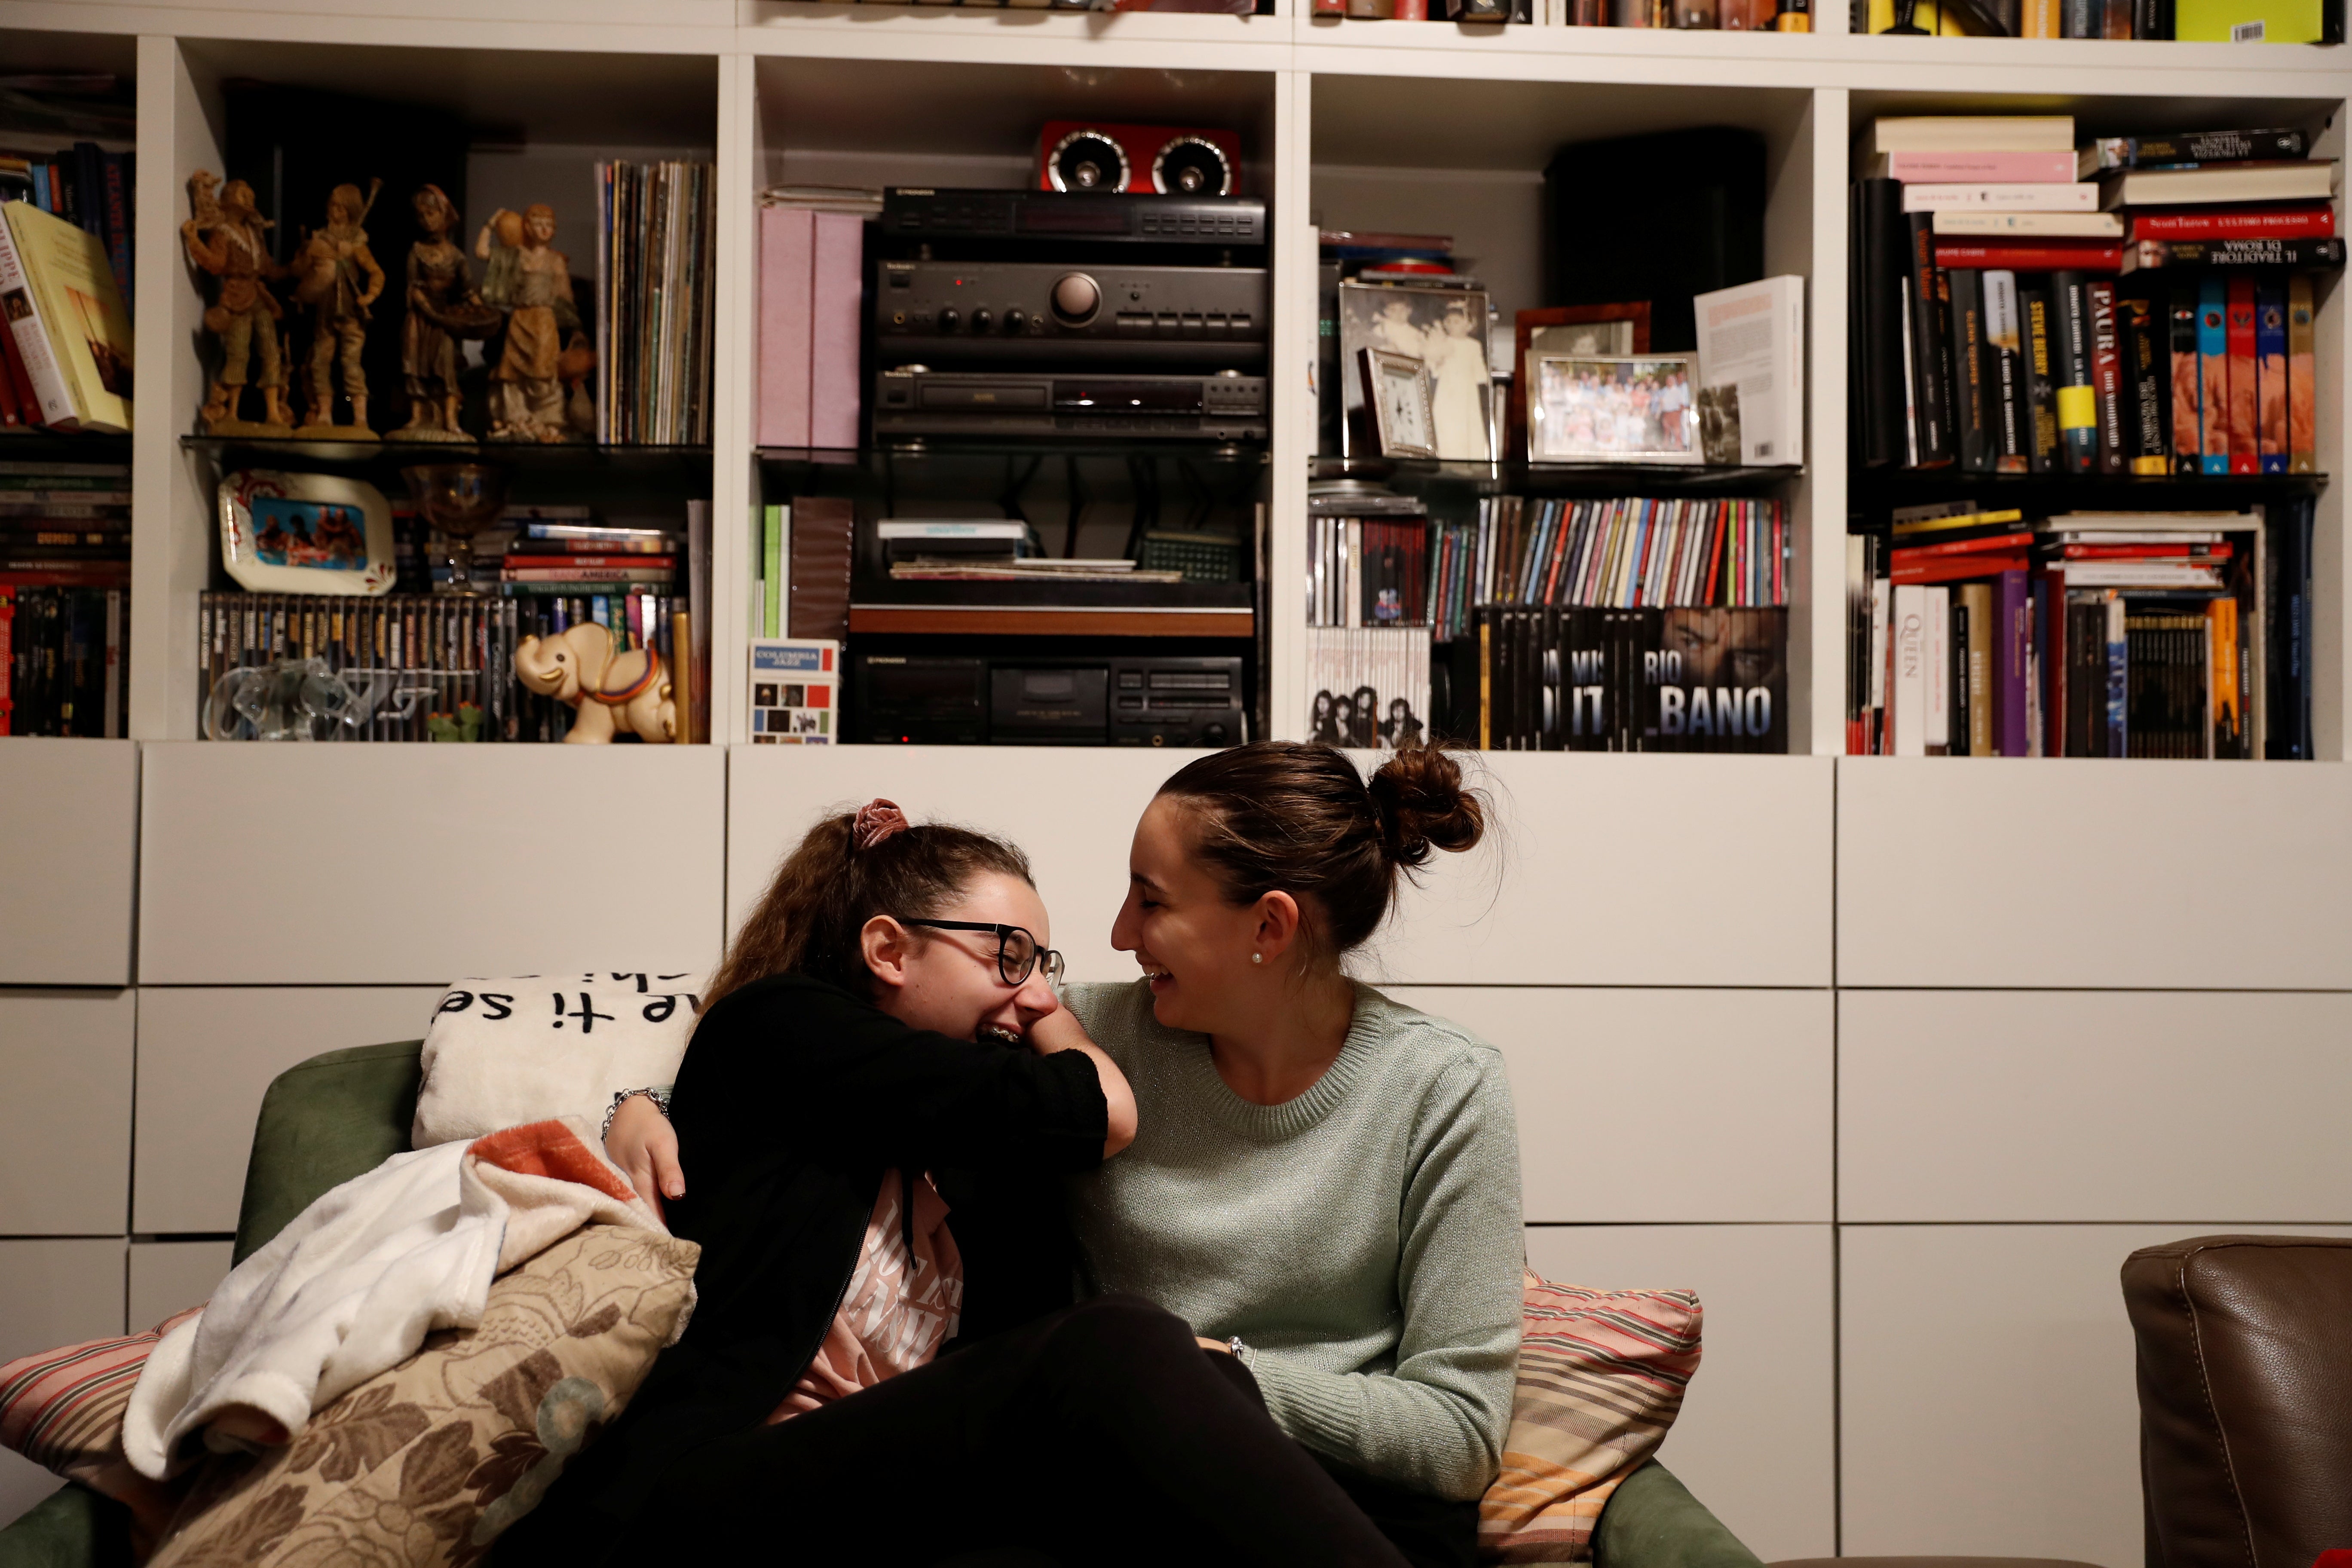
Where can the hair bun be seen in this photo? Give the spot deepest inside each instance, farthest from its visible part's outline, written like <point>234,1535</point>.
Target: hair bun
<point>1423,805</point>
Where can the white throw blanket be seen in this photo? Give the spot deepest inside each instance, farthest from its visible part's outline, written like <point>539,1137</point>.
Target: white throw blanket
<point>351,1287</point>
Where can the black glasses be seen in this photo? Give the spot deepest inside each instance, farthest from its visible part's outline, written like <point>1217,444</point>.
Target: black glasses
<point>1017,951</point>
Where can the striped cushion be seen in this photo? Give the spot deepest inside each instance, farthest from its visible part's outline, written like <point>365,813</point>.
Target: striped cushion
<point>63,1409</point>
<point>1601,1373</point>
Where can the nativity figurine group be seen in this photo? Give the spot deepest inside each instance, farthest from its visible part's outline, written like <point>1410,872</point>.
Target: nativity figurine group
<point>523,313</point>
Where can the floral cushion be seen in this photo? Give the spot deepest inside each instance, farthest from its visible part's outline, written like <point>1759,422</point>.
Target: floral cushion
<point>425,1464</point>
<point>1602,1375</point>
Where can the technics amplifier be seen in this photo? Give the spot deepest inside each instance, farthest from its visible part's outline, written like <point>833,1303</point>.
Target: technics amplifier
<point>1173,700</point>
<point>1026,312</point>
<point>920,699</point>
<point>922,213</point>
<point>1140,700</point>
<point>919,402</point>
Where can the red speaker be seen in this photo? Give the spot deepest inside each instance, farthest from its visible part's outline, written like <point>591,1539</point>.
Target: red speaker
<point>1142,160</point>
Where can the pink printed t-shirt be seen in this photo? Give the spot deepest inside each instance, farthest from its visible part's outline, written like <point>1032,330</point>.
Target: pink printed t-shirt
<point>899,1307</point>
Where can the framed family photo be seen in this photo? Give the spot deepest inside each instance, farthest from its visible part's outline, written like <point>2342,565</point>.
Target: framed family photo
<point>1636,408</point>
<point>1591,332</point>
<point>1446,329</point>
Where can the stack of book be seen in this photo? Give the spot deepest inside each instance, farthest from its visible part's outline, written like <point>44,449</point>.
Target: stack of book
<point>2139,305</point>
<point>654,292</point>
<point>2081,634</point>
<point>1728,16</point>
<point>65,336</point>
<point>65,598</point>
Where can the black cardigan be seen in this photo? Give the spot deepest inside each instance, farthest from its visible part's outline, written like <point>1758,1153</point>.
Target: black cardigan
<point>794,1098</point>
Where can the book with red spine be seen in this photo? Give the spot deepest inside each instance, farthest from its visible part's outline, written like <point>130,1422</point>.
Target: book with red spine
<point>1904,555</point>
<point>2147,551</point>
<point>2293,220</point>
<point>20,380</point>
<point>2044,256</point>
<point>1957,568</point>
<point>2244,450</point>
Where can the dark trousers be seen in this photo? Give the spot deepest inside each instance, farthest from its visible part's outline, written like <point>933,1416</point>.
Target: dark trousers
<point>1101,1434</point>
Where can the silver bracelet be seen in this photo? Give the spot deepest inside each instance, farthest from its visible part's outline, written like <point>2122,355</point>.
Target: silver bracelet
<point>661,1103</point>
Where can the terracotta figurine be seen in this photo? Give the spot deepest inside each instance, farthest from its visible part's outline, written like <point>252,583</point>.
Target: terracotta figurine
<point>227,237</point>
<point>442,309</point>
<point>337,277</point>
<point>532,284</point>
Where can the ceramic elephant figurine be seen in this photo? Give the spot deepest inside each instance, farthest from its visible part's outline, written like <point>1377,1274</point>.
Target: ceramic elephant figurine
<point>606,692</point>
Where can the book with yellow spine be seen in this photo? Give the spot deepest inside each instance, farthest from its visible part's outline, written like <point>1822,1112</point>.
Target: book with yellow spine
<point>80,309</point>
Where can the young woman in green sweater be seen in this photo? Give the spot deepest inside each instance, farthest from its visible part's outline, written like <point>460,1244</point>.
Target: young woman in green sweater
<point>1323,1182</point>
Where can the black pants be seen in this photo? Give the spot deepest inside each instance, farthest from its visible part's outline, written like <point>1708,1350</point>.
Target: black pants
<point>1100,1435</point>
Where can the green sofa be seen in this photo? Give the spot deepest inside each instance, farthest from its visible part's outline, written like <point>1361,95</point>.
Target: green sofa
<point>337,1115</point>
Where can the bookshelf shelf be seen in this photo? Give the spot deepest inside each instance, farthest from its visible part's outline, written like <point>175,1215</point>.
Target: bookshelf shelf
<point>1422,476</point>
<point>1049,620</point>
<point>41,447</point>
<point>687,464</point>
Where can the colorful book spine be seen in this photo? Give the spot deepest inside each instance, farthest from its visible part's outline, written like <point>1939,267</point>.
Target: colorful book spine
<point>46,375</point>
<point>2243,420</point>
<point>2077,402</point>
<point>2302,387</point>
<point>2186,450</point>
<point>2271,377</point>
<point>2213,373</point>
<point>2106,375</point>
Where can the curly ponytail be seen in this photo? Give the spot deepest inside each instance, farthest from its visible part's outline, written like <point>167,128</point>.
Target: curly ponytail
<point>810,919</point>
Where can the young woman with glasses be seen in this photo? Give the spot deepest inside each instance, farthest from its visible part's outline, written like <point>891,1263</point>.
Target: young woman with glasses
<point>879,1106</point>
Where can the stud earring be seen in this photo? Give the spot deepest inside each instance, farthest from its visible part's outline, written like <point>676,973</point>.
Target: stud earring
<point>1257,958</point>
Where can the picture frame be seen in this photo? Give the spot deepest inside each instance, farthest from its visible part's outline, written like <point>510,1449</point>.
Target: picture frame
<point>1398,393</point>
<point>305,534</point>
<point>1613,408</point>
<point>1446,329</point>
<point>1590,330</point>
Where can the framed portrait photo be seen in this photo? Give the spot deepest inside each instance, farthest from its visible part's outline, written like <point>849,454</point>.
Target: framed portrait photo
<point>1632,408</point>
<point>305,534</point>
<point>1591,332</point>
<point>1397,392</point>
<point>1446,329</point>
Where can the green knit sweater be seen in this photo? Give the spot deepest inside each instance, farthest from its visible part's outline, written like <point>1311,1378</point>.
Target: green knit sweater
<point>1362,1239</point>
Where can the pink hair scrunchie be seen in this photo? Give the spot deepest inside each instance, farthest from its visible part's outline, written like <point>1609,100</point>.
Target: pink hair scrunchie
<point>876,820</point>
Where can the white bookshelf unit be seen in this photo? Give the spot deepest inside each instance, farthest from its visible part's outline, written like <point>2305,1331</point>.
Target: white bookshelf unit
<point>1892,1061</point>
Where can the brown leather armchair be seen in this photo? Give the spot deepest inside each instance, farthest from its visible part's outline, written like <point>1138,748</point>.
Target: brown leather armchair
<point>2245,1399</point>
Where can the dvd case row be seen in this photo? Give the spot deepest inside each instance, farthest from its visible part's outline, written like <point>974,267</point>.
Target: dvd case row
<point>416,666</point>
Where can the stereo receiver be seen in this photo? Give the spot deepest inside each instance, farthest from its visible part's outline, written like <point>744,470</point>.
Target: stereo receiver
<point>922,402</point>
<point>1020,312</point>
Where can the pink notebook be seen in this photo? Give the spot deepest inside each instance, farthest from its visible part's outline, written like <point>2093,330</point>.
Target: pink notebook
<point>836,298</point>
<point>787,254</point>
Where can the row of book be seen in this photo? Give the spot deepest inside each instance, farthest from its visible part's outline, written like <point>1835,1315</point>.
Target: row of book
<point>655,242</point>
<point>1554,678</point>
<point>64,660</point>
<point>86,185</point>
<point>2008,317</point>
<point>1727,15</point>
<point>422,667</point>
<point>2099,634</point>
<point>1626,553</point>
<point>65,334</point>
<point>2188,21</point>
<point>64,525</point>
